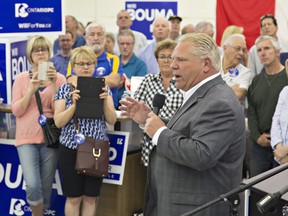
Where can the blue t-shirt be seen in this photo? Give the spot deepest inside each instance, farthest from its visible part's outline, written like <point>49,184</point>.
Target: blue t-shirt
<point>134,67</point>
<point>60,63</point>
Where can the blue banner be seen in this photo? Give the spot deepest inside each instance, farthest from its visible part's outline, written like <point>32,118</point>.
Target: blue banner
<point>11,65</point>
<point>12,187</point>
<point>144,13</point>
<point>30,16</point>
<point>3,84</point>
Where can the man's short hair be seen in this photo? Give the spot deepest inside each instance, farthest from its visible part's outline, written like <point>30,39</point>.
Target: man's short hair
<point>266,16</point>
<point>204,47</point>
<point>126,32</point>
<point>231,37</point>
<point>95,25</point>
<point>273,40</point>
<point>162,18</point>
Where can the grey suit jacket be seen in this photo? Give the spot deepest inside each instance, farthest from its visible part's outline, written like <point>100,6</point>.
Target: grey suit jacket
<point>199,156</point>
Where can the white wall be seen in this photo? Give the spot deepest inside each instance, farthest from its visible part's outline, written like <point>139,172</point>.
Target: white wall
<point>105,11</point>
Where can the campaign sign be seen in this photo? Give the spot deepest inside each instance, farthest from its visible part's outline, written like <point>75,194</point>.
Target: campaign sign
<point>30,16</point>
<point>143,14</point>
<point>12,185</point>
<point>3,84</point>
<point>13,60</point>
<point>118,151</point>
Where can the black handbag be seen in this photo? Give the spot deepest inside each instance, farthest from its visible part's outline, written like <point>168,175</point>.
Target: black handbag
<point>51,132</point>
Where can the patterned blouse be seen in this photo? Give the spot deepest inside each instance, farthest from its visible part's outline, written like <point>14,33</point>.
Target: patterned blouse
<point>152,84</point>
<point>95,128</point>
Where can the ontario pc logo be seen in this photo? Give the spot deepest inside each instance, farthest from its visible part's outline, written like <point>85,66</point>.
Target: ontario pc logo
<point>21,10</point>
<point>16,207</point>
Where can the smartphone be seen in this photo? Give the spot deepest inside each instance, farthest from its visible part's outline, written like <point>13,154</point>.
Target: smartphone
<point>42,70</point>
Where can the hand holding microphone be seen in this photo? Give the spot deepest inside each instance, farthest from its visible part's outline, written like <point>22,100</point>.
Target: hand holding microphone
<point>153,122</point>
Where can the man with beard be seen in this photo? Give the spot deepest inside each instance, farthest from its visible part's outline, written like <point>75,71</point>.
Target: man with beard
<point>108,66</point>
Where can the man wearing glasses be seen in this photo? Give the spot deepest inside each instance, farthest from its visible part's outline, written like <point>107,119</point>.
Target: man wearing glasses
<point>132,65</point>
<point>268,26</point>
<point>62,58</point>
<point>236,75</point>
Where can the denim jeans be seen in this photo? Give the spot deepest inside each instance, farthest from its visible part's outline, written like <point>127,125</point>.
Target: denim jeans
<point>39,164</point>
<point>261,159</point>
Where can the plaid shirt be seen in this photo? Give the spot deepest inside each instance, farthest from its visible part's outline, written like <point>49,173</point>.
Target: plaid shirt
<point>152,84</point>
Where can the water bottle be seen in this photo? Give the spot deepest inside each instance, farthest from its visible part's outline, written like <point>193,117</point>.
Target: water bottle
<point>125,94</point>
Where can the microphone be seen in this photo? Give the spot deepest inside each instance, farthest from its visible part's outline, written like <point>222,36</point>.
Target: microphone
<point>158,102</point>
<point>269,202</point>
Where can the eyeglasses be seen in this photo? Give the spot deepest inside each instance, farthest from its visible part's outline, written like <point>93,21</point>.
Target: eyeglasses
<point>83,64</point>
<point>238,49</point>
<point>38,51</point>
<point>165,58</point>
<point>267,16</point>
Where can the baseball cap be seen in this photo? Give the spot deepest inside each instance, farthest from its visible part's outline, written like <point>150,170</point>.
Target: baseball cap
<point>175,17</point>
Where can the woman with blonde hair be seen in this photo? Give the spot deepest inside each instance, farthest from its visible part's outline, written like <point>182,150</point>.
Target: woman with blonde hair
<point>81,190</point>
<point>37,161</point>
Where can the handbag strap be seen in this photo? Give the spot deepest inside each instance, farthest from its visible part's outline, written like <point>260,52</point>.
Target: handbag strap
<point>39,103</point>
<point>37,95</point>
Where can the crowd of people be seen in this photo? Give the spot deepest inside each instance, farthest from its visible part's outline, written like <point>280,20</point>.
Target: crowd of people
<point>195,149</point>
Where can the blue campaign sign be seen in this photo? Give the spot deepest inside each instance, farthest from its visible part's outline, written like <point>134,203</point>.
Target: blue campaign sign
<point>30,16</point>
<point>13,60</point>
<point>3,89</point>
<point>144,13</point>
<point>12,187</point>
<point>19,61</point>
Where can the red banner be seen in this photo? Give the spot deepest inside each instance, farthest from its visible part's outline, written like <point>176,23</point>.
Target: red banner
<point>245,13</point>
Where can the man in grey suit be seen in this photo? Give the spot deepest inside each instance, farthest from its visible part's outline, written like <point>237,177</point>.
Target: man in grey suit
<point>198,155</point>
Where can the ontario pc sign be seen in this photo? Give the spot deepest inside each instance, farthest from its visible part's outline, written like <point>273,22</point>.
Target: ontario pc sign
<point>30,17</point>
<point>143,14</point>
<point>12,186</point>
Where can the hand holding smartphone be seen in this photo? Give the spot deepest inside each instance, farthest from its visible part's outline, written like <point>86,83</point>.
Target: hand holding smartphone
<point>42,70</point>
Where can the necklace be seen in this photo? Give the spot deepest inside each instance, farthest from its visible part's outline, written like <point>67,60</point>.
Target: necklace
<point>270,78</point>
